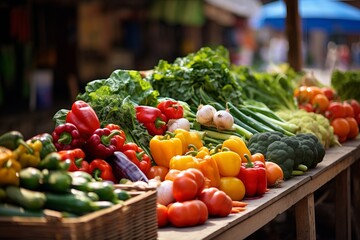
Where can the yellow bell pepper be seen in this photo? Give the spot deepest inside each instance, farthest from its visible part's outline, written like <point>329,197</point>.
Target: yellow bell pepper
<point>202,152</point>
<point>228,162</point>
<point>184,162</point>
<point>236,144</point>
<point>9,168</point>
<point>27,159</point>
<point>209,168</point>
<point>163,148</point>
<point>187,138</point>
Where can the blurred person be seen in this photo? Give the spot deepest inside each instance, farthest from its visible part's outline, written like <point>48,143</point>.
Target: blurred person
<point>278,48</point>
<point>343,57</point>
<point>331,56</point>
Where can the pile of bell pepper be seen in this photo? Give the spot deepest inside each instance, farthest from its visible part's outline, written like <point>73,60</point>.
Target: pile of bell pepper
<point>155,119</point>
<point>227,166</point>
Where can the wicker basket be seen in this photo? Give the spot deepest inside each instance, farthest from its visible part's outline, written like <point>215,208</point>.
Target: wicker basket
<point>135,219</point>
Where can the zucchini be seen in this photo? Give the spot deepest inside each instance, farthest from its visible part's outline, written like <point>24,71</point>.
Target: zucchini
<point>26,198</point>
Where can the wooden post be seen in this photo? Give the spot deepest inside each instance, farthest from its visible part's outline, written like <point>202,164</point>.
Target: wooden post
<point>305,218</point>
<point>294,36</point>
<point>343,205</point>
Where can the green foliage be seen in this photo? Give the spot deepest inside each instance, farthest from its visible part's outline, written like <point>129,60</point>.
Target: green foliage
<point>207,69</point>
<point>346,84</point>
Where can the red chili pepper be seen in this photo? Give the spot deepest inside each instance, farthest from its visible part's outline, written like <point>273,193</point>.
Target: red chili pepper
<point>171,109</point>
<point>101,170</point>
<point>152,118</point>
<point>77,158</point>
<point>102,143</point>
<point>138,156</point>
<point>121,138</point>
<point>253,175</point>
<point>66,136</point>
<point>83,116</point>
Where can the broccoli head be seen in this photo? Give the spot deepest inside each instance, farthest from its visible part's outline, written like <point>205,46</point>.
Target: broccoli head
<point>259,142</point>
<point>282,154</point>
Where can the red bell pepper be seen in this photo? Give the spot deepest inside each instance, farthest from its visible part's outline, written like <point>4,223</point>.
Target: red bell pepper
<point>253,175</point>
<point>121,138</point>
<point>66,136</point>
<point>138,156</point>
<point>83,116</point>
<point>171,109</point>
<point>152,118</point>
<point>102,143</point>
<point>101,170</point>
<point>77,158</point>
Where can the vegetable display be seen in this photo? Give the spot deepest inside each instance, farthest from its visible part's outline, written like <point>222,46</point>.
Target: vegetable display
<point>234,135</point>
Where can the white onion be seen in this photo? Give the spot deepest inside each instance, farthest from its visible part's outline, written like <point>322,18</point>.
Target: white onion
<point>205,114</point>
<point>223,120</point>
<point>182,123</point>
<point>165,192</point>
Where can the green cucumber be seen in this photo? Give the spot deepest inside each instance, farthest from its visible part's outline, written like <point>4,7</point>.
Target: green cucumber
<point>58,181</point>
<point>26,198</point>
<point>10,210</point>
<point>69,202</point>
<point>105,190</point>
<point>30,178</point>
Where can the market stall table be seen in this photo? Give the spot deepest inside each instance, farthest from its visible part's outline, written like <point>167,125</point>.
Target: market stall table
<point>298,192</point>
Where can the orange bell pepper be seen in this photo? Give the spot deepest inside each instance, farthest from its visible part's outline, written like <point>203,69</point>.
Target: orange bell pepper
<point>209,168</point>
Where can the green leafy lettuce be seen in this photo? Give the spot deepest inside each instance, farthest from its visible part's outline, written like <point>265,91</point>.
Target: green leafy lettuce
<point>207,69</point>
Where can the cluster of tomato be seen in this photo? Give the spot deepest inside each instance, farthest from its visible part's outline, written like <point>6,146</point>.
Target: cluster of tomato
<point>194,202</point>
<point>344,115</point>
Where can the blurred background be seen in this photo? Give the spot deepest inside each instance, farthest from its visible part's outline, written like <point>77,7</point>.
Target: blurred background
<point>50,49</point>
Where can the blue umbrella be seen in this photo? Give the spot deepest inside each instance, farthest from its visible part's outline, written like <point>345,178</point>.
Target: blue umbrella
<point>328,15</point>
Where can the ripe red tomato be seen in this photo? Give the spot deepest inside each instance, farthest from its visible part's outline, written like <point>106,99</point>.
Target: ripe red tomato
<point>341,128</point>
<point>162,215</point>
<point>329,93</point>
<point>188,213</point>
<point>335,110</point>
<point>354,128</point>
<point>356,107</point>
<point>306,106</point>
<point>349,111</point>
<point>188,184</point>
<point>218,203</point>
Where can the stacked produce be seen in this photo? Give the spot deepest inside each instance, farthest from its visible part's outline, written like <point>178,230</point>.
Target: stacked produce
<point>36,178</point>
<point>323,105</point>
<point>203,132</point>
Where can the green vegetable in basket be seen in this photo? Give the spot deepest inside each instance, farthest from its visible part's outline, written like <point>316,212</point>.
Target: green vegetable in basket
<point>104,189</point>
<point>58,181</point>
<point>74,203</point>
<point>26,198</point>
<point>30,178</point>
<point>11,210</point>
<point>122,194</point>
